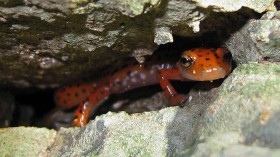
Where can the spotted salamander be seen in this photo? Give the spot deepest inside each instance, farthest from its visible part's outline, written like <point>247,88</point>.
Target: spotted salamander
<point>198,64</point>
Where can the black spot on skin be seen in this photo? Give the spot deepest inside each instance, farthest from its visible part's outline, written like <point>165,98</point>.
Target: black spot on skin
<point>208,53</point>
<point>68,94</point>
<point>83,90</point>
<point>216,55</point>
<point>199,55</point>
<point>76,94</point>
<point>201,65</point>
<point>65,101</point>
<point>207,59</point>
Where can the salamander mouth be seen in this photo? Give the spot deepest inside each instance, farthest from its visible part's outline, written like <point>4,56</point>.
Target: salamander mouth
<point>205,75</point>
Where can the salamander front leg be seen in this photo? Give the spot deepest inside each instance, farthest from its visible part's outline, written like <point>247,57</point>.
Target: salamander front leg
<point>82,112</point>
<point>164,76</point>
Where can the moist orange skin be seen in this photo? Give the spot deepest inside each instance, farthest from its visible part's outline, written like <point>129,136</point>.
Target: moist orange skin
<point>199,64</point>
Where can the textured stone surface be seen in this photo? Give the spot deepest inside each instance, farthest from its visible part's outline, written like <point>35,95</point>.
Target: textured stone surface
<point>23,141</point>
<point>228,145</point>
<point>242,121</point>
<point>233,5</point>
<point>49,43</point>
<point>147,134</point>
<point>44,42</point>
<point>250,91</point>
<point>258,40</point>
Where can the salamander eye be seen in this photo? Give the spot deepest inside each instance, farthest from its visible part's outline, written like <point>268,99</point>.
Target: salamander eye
<point>186,61</point>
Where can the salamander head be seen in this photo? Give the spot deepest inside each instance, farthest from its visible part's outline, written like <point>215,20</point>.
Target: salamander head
<point>202,64</point>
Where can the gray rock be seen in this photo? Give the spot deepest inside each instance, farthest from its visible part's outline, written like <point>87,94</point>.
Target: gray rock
<point>234,5</point>
<point>257,41</point>
<point>147,134</point>
<point>22,141</point>
<point>47,43</point>
<point>243,120</point>
<point>227,145</point>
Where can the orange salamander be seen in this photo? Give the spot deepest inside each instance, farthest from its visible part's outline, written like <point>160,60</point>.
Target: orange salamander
<point>198,64</point>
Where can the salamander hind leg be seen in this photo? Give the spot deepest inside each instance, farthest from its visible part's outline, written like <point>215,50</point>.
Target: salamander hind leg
<point>174,98</point>
<point>82,112</point>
